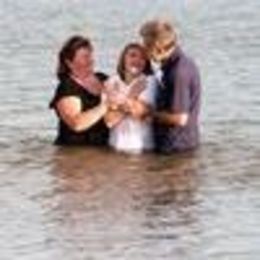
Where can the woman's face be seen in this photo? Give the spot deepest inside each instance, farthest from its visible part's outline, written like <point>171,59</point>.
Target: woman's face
<point>82,62</point>
<point>134,61</point>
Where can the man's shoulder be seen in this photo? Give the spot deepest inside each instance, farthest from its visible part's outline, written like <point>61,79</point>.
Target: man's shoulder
<point>186,60</point>
<point>187,65</point>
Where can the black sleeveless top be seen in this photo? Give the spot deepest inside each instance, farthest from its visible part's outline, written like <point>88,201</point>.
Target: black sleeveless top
<point>96,134</point>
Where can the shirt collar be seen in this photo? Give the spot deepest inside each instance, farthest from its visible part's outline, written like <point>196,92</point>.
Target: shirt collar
<point>172,58</point>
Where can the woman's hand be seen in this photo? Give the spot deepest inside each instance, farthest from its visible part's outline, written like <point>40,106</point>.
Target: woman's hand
<point>136,108</point>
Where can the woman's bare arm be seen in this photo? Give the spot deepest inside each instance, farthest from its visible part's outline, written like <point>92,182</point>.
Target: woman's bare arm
<point>69,109</point>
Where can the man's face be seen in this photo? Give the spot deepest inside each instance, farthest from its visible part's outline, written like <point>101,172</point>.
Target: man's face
<point>160,52</point>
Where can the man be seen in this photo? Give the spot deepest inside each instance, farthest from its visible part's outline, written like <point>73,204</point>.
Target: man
<point>176,126</point>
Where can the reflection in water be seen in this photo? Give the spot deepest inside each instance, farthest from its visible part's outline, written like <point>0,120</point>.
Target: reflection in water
<point>170,214</point>
<point>120,203</point>
<point>79,204</point>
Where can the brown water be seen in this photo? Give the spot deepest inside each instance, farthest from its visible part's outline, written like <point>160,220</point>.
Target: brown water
<point>86,204</point>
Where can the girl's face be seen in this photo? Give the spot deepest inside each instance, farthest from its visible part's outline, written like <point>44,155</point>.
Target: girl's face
<point>134,62</point>
<point>82,62</point>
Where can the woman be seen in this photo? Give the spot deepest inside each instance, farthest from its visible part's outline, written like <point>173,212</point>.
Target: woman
<point>131,93</point>
<point>77,101</point>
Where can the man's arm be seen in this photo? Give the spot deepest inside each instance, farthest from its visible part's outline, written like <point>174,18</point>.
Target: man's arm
<point>171,119</point>
<point>178,114</point>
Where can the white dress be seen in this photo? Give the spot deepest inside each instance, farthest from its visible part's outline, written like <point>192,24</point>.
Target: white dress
<point>131,134</point>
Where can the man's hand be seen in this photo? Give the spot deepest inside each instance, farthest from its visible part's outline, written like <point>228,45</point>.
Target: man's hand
<point>171,119</point>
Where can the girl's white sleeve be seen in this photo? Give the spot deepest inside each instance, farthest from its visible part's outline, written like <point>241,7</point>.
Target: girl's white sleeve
<point>148,95</point>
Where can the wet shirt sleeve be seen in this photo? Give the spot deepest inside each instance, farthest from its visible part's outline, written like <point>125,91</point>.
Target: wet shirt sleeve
<point>64,89</point>
<point>149,93</point>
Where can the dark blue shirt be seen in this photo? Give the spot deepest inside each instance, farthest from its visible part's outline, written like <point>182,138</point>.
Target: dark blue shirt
<point>179,92</point>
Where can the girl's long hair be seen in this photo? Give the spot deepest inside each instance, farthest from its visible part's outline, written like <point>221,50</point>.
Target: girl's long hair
<point>121,63</point>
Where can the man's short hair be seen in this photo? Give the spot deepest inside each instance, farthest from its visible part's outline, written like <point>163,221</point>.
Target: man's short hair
<point>158,31</point>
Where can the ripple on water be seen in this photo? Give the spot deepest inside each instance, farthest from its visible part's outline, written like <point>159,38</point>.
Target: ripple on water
<point>95,204</point>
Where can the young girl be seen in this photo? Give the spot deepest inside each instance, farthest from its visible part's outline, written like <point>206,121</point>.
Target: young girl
<point>131,95</point>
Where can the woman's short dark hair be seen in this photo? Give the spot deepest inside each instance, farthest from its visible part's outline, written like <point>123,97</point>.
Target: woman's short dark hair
<point>68,52</point>
<point>121,64</point>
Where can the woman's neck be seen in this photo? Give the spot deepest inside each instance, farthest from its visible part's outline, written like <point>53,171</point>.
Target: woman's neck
<point>81,75</point>
<point>88,82</point>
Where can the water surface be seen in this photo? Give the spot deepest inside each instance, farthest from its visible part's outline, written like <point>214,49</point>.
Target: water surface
<point>94,204</point>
